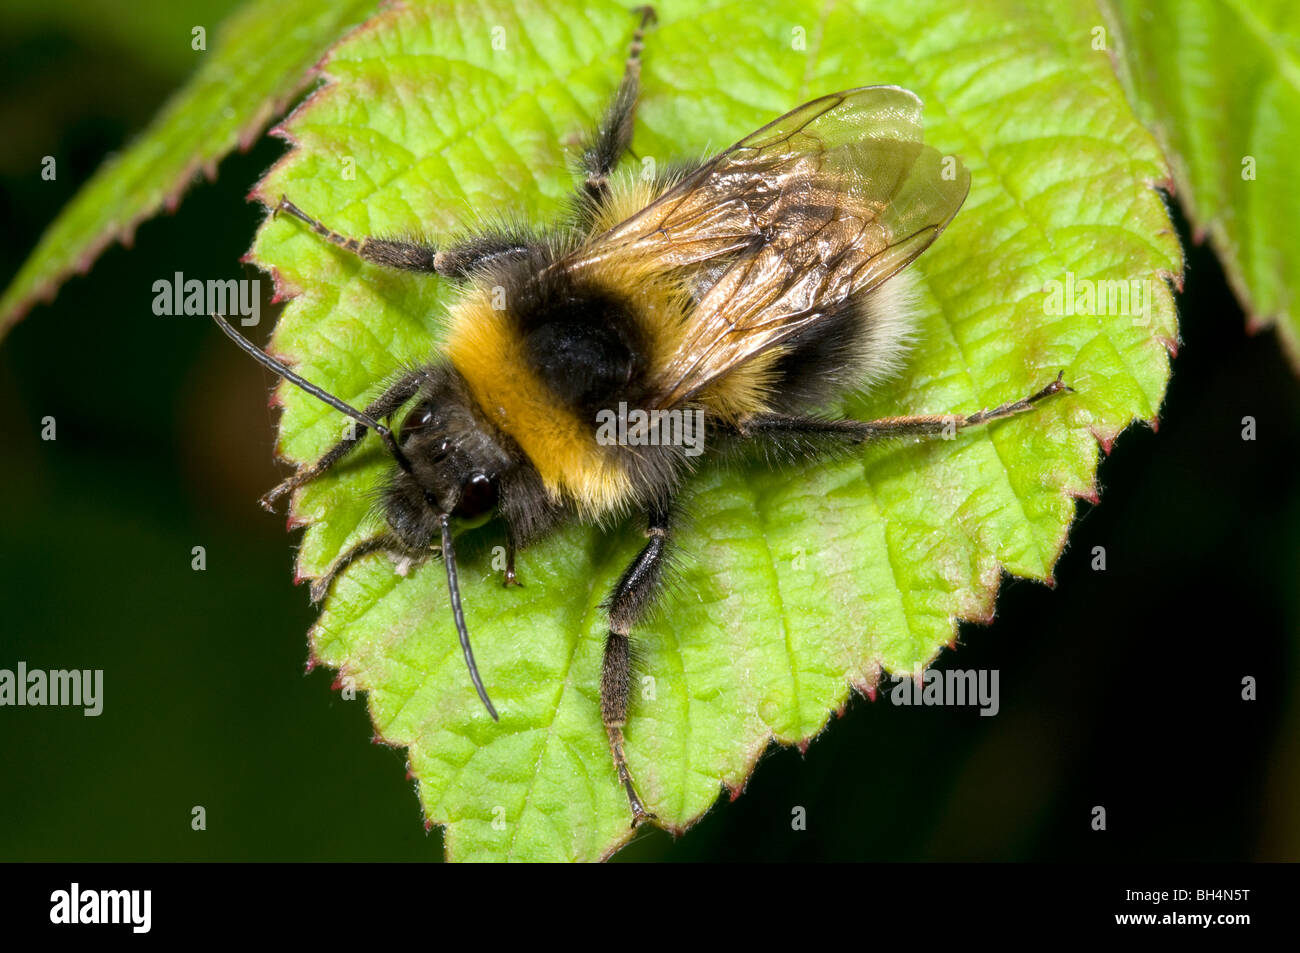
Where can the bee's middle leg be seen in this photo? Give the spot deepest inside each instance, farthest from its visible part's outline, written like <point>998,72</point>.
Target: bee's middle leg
<point>627,604</point>
<point>457,262</point>
<point>612,137</point>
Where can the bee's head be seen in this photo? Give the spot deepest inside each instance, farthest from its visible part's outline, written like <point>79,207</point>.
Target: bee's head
<point>448,467</point>
<point>452,465</point>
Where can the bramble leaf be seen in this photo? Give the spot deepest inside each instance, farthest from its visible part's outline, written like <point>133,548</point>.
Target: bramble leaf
<point>1219,84</point>
<point>249,73</point>
<point>792,586</point>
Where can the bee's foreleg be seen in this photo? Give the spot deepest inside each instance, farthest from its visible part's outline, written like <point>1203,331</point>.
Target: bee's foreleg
<point>509,577</point>
<point>384,543</point>
<point>627,604</point>
<point>398,393</point>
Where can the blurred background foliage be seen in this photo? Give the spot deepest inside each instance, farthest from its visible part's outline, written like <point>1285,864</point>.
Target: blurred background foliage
<point>1119,688</point>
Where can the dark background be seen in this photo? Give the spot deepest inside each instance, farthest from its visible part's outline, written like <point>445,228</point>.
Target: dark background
<point>1119,688</point>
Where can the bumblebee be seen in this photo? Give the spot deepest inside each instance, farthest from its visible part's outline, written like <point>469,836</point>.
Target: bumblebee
<point>746,291</point>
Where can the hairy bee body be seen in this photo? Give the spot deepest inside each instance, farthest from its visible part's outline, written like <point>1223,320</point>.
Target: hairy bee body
<point>544,350</point>
<point>742,292</point>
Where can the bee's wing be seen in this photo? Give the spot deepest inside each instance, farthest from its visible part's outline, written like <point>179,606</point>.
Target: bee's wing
<point>826,202</point>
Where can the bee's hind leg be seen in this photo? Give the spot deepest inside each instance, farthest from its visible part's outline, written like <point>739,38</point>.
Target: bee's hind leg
<point>627,604</point>
<point>859,431</point>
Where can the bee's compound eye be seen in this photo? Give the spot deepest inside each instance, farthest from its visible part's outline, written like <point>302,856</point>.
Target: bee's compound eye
<point>418,419</point>
<point>477,496</point>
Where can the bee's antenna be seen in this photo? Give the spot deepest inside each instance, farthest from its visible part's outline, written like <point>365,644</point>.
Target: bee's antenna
<point>267,361</point>
<point>444,519</point>
<point>453,586</point>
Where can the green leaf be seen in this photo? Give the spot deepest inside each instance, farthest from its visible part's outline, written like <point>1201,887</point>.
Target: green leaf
<point>1219,83</point>
<point>792,585</point>
<point>248,75</point>
<point>155,36</point>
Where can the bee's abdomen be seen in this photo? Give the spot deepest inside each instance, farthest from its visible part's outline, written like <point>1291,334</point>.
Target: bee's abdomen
<point>857,343</point>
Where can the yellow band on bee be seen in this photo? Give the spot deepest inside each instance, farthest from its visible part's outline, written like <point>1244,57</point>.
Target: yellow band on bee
<point>489,355</point>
